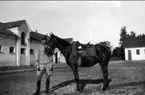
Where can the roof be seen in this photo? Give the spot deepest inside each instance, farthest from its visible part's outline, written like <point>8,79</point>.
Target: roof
<point>7,32</point>
<point>11,24</point>
<point>36,36</point>
<point>131,42</point>
<point>4,27</point>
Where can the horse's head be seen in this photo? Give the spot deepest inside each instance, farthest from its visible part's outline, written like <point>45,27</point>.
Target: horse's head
<point>50,44</point>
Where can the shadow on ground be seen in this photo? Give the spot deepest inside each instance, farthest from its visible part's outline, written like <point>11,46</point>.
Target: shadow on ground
<point>127,84</point>
<point>82,81</point>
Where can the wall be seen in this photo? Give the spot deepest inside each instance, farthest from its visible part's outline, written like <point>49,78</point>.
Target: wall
<point>134,56</point>
<point>35,46</point>
<point>6,58</point>
<point>25,57</point>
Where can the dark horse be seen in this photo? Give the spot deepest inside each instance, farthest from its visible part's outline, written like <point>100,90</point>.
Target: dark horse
<point>93,54</point>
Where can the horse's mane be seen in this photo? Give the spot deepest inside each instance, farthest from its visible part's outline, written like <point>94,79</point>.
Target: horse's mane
<point>62,41</point>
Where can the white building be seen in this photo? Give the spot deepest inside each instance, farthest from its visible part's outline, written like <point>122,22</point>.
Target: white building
<point>19,44</point>
<point>134,48</point>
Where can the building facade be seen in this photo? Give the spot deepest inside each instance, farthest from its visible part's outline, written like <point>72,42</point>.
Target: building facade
<point>7,49</point>
<point>134,48</point>
<point>15,44</point>
<point>19,44</point>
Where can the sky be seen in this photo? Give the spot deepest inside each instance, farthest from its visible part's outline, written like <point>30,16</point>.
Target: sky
<point>85,21</point>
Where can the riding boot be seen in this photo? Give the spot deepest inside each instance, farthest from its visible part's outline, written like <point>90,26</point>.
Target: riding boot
<point>47,85</point>
<point>38,88</point>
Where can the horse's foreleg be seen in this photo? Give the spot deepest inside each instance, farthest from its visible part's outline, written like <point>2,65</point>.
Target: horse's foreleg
<point>104,68</point>
<point>76,77</point>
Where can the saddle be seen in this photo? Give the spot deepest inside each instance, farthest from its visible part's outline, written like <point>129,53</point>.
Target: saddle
<point>86,49</point>
<point>83,50</point>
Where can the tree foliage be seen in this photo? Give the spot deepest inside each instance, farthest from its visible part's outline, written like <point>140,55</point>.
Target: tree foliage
<point>132,34</point>
<point>123,35</point>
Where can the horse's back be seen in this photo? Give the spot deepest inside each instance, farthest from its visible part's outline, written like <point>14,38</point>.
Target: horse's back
<point>90,51</point>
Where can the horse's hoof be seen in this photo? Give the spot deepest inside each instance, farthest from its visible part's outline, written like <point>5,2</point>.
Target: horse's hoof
<point>101,91</point>
<point>36,93</point>
<point>104,87</point>
<point>78,91</point>
<point>46,92</point>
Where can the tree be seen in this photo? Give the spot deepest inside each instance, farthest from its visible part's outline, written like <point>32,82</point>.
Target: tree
<point>132,34</point>
<point>123,35</point>
<point>117,52</point>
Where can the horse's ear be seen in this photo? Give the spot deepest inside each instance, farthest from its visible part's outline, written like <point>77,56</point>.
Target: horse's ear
<point>50,34</point>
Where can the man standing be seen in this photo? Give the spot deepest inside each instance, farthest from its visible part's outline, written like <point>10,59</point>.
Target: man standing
<point>44,64</point>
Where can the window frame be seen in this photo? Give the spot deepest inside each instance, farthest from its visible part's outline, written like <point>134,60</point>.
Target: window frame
<point>23,36</point>
<point>31,53</point>
<point>13,50</point>
<point>137,52</point>
<point>1,49</point>
<point>23,51</point>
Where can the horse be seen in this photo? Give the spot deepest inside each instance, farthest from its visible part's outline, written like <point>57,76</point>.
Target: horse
<point>93,54</point>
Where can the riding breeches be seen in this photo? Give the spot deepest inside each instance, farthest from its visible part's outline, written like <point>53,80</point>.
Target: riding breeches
<point>47,69</point>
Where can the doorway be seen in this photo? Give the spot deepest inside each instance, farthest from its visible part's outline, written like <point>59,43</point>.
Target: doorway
<point>129,55</point>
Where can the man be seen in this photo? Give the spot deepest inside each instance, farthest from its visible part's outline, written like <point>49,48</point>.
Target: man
<point>44,64</point>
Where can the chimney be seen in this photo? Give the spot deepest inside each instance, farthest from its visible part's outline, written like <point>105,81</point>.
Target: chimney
<point>36,31</point>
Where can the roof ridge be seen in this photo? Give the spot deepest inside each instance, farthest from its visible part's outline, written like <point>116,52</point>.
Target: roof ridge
<point>12,24</point>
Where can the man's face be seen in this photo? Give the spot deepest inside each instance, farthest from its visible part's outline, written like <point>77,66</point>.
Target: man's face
<point>45,45</point>
<point>43,41</point>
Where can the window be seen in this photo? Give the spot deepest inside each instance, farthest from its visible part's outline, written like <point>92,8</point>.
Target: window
<point>23,50</point>
<point>137,52</point>
<point>0,49</point>
<point>11,50</point>
<point>31,51</point>
<point>23,38</point>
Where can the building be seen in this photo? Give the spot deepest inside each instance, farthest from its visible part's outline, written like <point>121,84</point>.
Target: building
<point>14,43</point>
<point>35,45</point>
<point>19,44</point>
<point>134,48</point>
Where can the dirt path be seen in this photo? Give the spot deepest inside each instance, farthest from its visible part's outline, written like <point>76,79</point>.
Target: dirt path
<point>128,78</point>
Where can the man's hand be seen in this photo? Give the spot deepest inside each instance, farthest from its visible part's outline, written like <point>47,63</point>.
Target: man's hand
<point>51,69</point>
<point>38,67</point>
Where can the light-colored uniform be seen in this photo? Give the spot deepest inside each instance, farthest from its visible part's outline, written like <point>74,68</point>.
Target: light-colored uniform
<point>44,64</point>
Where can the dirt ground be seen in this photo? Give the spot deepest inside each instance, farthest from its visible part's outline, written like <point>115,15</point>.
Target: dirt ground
<point>127,78</point>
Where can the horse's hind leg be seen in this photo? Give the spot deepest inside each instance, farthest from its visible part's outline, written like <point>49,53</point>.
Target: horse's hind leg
<point>104,68</point>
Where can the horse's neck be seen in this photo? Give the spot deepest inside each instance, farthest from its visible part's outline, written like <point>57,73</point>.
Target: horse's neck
<point>62,49</point>
<point>74,47</point>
